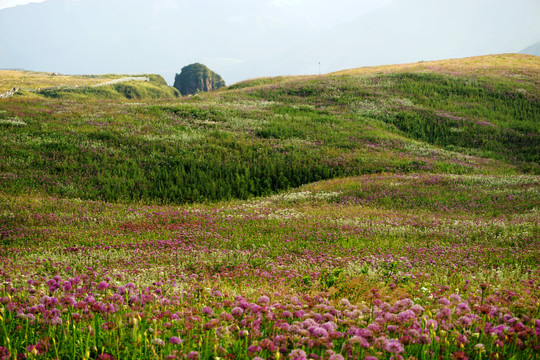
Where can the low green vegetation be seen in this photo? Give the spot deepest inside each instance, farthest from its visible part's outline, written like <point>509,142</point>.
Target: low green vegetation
<point>257,140</point>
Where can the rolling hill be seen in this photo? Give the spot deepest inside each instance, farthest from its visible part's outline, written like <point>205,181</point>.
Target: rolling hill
<point>475,115</point>
<point>376,213</point>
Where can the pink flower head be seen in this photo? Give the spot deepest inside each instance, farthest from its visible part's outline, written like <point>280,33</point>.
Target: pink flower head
<point>254,349</point>
<point>329,326</point>
<point>175,340</point>
<point>394,346</point>
<point>237,312</point>
<point>106,357</point>
<point>255,308</point>
<point>298,354</point>
<point>406,315</point>
<point>320,332</point>
<point>464,321</point>
<point>359,340</point>
<point>4,353</point>
<point>263,300</point>
<point>286,314</point>
<point>207,311</point>
<point>443,301</point>
<point>462,308</point>
<point>336,357</point>
<point>194,355</point>
<point>102,286</point>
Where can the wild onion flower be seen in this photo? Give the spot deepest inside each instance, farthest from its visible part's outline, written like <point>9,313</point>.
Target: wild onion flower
<point>298,354</point>
<point>4,353</point>
<point>464,321</point>
<point>394,346</point>
<point>194,355</point>
<point>462,308</point>
<point>106,357</point>
<point>254,349</point>
<point>320,332</point>
<point>336,357</point>
<point>443,301</point>
<point>359,340</point>
<point>102,286</point>
<point>237,312</point>
<point>405,316</point>
<point>207,311</point>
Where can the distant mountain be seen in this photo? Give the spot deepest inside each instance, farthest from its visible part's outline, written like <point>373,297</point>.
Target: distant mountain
<point>532,50</point>
<point>141,36</point>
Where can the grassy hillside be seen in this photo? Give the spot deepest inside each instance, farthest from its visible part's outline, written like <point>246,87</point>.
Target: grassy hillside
<point>412,231</point>
<point>386,264</point>
<point>34,80</point>
<point>84,87</point>
<point>267,135</point>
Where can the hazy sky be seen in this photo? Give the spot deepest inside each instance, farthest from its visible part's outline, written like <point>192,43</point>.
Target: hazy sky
<point>242,39</point>
<point>10,3</point>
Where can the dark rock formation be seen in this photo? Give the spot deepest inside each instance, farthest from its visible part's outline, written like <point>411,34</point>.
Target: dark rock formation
<point>195,78</point>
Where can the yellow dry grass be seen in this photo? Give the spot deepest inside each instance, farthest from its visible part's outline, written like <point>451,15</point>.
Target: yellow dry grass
<point>34,80</point>
<point>501,64</point>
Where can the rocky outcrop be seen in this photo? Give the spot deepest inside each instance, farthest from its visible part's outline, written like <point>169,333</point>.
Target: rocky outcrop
<point>195,78</point>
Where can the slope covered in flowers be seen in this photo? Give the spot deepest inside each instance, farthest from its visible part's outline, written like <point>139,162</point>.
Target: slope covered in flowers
<point>422,242</point>
<point>447,268</point>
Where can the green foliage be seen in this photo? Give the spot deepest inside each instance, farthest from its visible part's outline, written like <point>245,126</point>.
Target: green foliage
<point>272,135</point>
<point>155,88</point>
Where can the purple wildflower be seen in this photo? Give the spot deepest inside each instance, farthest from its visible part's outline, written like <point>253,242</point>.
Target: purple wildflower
<point>106,357</point>
<point>405,316</point>
<point>175,340</point>
<point>237,312</point>
<point>298,354</point>
<point>194,355</point>
<point>336,357</point>
<point>254,349</point>
<point>102,286</point>
<point>443,301</point>
<point>359,340</point>
<point>462,308</point>
<point>4,353</point>
<point>320,332</point>
<point>263,300</point>
<point>464,321</point>
<point>394,346</point>
<point>417,309</point>
<point>207,311</point>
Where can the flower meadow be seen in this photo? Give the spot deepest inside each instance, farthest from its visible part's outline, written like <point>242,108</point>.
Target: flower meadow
<point>385,213</point>
<point>336,269</point>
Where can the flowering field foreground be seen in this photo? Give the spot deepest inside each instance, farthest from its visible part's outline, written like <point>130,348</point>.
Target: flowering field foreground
<point>382,266</point>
